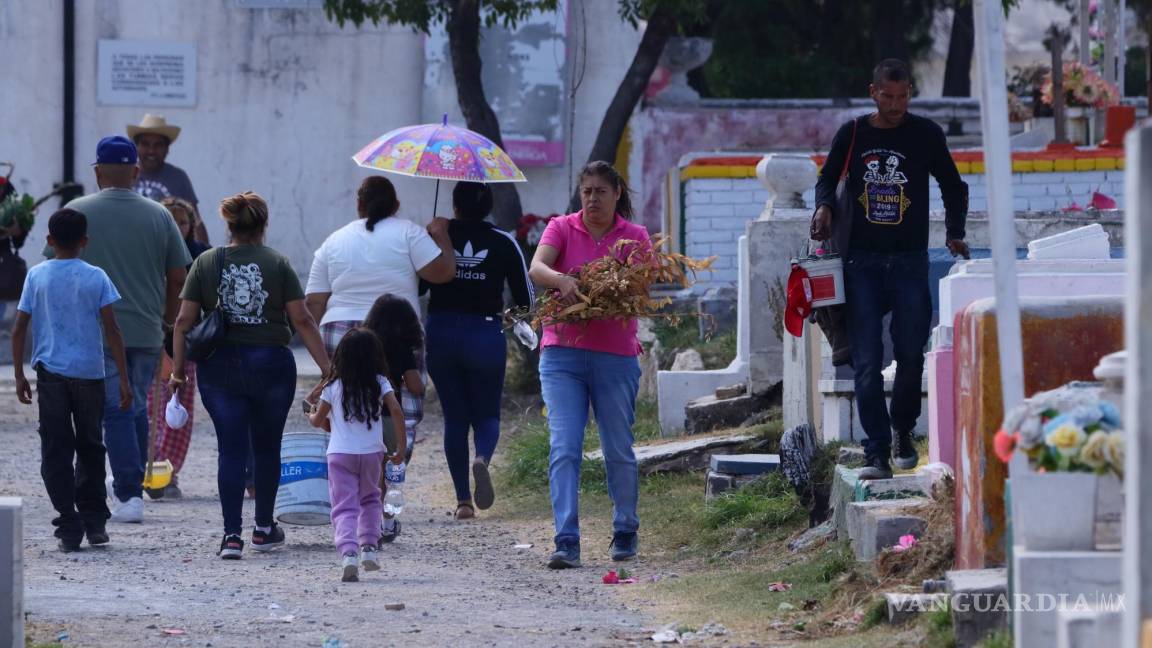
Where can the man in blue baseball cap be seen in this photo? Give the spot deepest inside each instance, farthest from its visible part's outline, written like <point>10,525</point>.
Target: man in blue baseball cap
<point>135,241</point>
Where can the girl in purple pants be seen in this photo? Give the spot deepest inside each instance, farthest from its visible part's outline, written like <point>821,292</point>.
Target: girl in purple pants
<point>352,406</point>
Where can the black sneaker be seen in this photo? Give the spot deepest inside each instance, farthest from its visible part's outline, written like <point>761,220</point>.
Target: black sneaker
<point>389,535</point>
<point>876,467</point>
<point>231,547</point>
<point>624,545</point>
<point>69,545</point>
<point>566,556</point>
<point>97,537</point>
<point>262,541</point>
<point>904,453</point>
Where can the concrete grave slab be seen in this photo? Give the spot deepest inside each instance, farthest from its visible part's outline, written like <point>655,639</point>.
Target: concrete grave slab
<point>677,456</point>
<point>1050,580</point>
<point>875,526</point>
<point>904,607</point>
<point>745,464</point>
<point>976,596</point>
<point>709,413</point>
<point>1089,628</point>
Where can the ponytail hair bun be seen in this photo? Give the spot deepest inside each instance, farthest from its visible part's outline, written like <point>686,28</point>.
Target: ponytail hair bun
<point>246,213</point>
<point>376,200</point>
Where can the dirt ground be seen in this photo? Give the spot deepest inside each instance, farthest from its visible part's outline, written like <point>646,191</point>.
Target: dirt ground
<point>160,583</point>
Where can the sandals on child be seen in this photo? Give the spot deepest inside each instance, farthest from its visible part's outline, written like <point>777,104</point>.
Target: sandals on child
<point>465,511</point>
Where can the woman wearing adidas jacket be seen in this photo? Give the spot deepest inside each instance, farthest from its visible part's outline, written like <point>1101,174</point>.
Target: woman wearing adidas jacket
<point>465,339</point>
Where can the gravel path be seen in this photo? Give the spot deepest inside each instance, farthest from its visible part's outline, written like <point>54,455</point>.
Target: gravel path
<point>462,583</point>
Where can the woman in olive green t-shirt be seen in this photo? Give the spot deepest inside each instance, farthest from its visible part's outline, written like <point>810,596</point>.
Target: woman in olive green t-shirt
<point>249,382</point>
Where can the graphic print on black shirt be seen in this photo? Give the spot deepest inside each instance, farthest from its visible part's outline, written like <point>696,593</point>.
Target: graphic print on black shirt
<point>883,197</point>
<point>888,176</point>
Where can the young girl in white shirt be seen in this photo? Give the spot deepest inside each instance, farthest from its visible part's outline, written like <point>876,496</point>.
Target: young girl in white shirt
<point>352,408</point>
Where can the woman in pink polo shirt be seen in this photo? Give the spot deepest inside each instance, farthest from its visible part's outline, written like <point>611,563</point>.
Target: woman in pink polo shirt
<point>593,363</point>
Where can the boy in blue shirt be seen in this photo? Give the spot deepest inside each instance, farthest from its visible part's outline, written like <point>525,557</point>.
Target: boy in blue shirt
<point>66,301</point>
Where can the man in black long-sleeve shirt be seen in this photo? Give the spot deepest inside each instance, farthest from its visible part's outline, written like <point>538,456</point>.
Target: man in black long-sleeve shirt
<point>889,156</point>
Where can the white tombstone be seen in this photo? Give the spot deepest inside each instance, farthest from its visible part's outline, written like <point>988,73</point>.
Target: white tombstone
<point>675,389</point>
<point>1138,386</point>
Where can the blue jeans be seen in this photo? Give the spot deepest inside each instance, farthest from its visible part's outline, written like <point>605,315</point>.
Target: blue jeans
<point>876,284</point>
<point>126,431</point>
<point>573,379</point>
<point>466,357</point>
<point>248,391</point>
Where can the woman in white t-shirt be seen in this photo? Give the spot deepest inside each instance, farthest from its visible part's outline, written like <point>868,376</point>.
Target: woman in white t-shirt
<point>375,254</point>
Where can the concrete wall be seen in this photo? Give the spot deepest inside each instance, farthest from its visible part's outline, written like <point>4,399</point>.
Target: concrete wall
<point>284,100</point>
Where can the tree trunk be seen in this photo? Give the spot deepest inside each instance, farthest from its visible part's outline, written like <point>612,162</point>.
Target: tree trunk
<point>661,27</point>
<point>463,27</point>
<point>889,29</point>
<point>961,44</point>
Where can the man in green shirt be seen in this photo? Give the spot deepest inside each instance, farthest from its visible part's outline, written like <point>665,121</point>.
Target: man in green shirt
<point>136,242</point>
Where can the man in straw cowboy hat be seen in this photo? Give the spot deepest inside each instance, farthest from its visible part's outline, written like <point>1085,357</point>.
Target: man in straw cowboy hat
<point>159,179</point>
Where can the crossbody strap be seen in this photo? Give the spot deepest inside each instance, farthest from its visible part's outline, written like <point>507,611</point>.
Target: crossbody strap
<point>220,258</point>
<point>851,145</point>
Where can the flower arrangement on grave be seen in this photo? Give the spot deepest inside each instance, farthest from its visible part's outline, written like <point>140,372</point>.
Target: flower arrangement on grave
<point>619,285</point>
<point>1083,87</point>
<point>1085,437</point>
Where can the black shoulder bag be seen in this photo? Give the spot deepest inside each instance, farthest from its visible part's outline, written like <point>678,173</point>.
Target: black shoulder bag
<point>201,342</point>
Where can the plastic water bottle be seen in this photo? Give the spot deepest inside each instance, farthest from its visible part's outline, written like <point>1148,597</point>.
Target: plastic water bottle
<point>525,335</point>
<point>394,499</point>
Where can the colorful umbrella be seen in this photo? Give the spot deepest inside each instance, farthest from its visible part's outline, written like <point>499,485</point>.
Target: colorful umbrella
<point>441,152</point>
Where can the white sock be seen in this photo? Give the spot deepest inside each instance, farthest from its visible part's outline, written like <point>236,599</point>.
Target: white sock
<point>266,529</point>
<point>389,524</point>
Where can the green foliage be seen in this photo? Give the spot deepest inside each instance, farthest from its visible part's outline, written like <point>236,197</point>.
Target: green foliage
<point>764,504</point>
<point>682,333</point>
<point>939,631</point>
<point>876,614</point>
<point>420,15</point>
<point>798,48</point>
<point>18,211</point>
<point>686,12</point>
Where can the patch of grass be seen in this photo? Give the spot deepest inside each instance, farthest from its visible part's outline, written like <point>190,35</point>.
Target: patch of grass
<point>939,628</point>
<point>876,614</point>
<point>767,503</point>
<point>739,596</point>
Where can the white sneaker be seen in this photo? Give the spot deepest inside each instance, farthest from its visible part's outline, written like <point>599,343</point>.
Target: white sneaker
<point>368,558</point>
<point>351,565</point>
<point>130,511</point>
